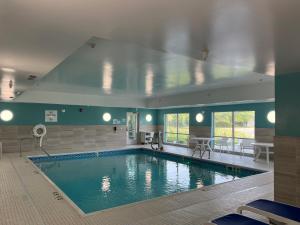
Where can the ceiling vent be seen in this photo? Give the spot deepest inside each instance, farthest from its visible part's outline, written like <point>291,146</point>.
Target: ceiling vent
<point>31,77</point>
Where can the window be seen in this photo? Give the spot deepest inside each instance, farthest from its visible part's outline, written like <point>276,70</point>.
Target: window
<point>223,124</point>
<point>232,127</point>
<point>177,128</point>
<point>244,124</point>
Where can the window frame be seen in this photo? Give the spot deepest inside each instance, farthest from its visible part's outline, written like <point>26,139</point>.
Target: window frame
<point>233,122</point>
<point>177,134</point>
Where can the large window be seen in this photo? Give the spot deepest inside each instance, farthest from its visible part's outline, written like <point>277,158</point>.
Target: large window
<point>177,128</point>
<point>233,127</point>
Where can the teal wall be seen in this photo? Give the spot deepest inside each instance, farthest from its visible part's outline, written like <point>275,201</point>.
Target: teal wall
<point>287,92</point>
<point>261,111</point>
<point>32,113</point>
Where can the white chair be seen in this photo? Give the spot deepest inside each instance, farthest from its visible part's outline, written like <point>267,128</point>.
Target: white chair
<point>223,144</point>
<point>192,144</point>
<point>151,136</point>
<point>245,144</point>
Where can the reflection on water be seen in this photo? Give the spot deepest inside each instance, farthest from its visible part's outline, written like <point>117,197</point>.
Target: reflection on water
<point>107,77</point>
<point>105,184</point>
<point>131,177</point>
<point>199,183</point>
<point>178,177</point>
<point>148,179</point>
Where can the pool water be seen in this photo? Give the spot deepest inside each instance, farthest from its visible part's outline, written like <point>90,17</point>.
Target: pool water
<point>100,181</point>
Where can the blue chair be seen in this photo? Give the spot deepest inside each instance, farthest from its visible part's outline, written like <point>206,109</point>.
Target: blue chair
<point>235,219</point>
<point>276,211</point>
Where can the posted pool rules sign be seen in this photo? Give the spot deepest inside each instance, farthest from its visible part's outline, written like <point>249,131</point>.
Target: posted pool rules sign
<point>50,116</point>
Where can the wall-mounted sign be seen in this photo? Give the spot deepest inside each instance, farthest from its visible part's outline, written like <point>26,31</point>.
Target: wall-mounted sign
<point>50,116</point>
<point>116,121</point>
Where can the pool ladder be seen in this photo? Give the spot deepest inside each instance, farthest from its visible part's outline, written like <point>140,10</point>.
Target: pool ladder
<point>43,150</point>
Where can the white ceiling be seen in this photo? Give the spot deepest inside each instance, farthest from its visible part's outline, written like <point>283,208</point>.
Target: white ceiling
<point>258,37</point>
<point>115,68</point>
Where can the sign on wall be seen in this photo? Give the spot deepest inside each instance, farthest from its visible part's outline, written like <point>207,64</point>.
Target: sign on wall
<point>116,121</point>
<point>50,116</point>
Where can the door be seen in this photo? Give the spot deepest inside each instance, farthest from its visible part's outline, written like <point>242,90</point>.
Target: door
<point>132,128</point>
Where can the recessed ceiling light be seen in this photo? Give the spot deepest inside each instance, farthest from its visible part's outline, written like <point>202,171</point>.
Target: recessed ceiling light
<point>8,70</point>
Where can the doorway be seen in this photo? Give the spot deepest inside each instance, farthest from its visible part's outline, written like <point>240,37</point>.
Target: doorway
<point>132,128</point>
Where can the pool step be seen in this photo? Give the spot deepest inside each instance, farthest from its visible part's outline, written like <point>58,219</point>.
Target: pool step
<point>235,169</point>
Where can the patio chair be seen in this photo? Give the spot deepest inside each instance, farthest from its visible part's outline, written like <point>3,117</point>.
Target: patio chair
<point>275,211</point>
<point>235,219</point>
<point>223,144</point>
<point>245,144</point>
<point>197,147</point>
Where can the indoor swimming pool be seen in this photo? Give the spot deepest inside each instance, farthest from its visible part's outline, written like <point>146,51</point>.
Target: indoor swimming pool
<point>96,181</point>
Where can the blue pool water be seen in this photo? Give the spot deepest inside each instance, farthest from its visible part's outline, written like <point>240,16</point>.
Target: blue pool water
<point>99,181</point>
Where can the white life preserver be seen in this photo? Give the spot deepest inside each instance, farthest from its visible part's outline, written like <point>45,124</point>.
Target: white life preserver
<point>39,131</point>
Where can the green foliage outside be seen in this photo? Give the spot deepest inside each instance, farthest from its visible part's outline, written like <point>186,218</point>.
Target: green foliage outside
<point>177,128</point>
<point>244,124</point>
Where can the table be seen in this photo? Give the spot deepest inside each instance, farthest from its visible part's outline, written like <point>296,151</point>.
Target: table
<point>260,146</point>
<point>204,143</point>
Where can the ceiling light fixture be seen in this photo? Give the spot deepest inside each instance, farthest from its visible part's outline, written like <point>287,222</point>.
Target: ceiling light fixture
<point>8,70</point>
<point>10,84</point>
<point>204,54</point>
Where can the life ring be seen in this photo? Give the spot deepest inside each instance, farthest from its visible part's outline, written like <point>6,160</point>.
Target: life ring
<point>39,130</point>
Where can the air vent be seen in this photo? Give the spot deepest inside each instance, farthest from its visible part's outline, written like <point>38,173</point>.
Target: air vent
<point>31,77</point>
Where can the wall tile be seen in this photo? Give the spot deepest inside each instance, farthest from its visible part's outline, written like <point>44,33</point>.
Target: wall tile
<point>287,169</point>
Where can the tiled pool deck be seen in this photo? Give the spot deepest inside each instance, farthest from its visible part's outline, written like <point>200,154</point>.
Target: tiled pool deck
<point>28,198</point>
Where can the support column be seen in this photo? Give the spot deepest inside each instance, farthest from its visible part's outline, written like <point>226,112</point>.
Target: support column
<point>287,138</point>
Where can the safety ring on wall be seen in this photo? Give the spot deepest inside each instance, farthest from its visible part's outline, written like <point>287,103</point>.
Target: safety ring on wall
<point>39,130</point>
